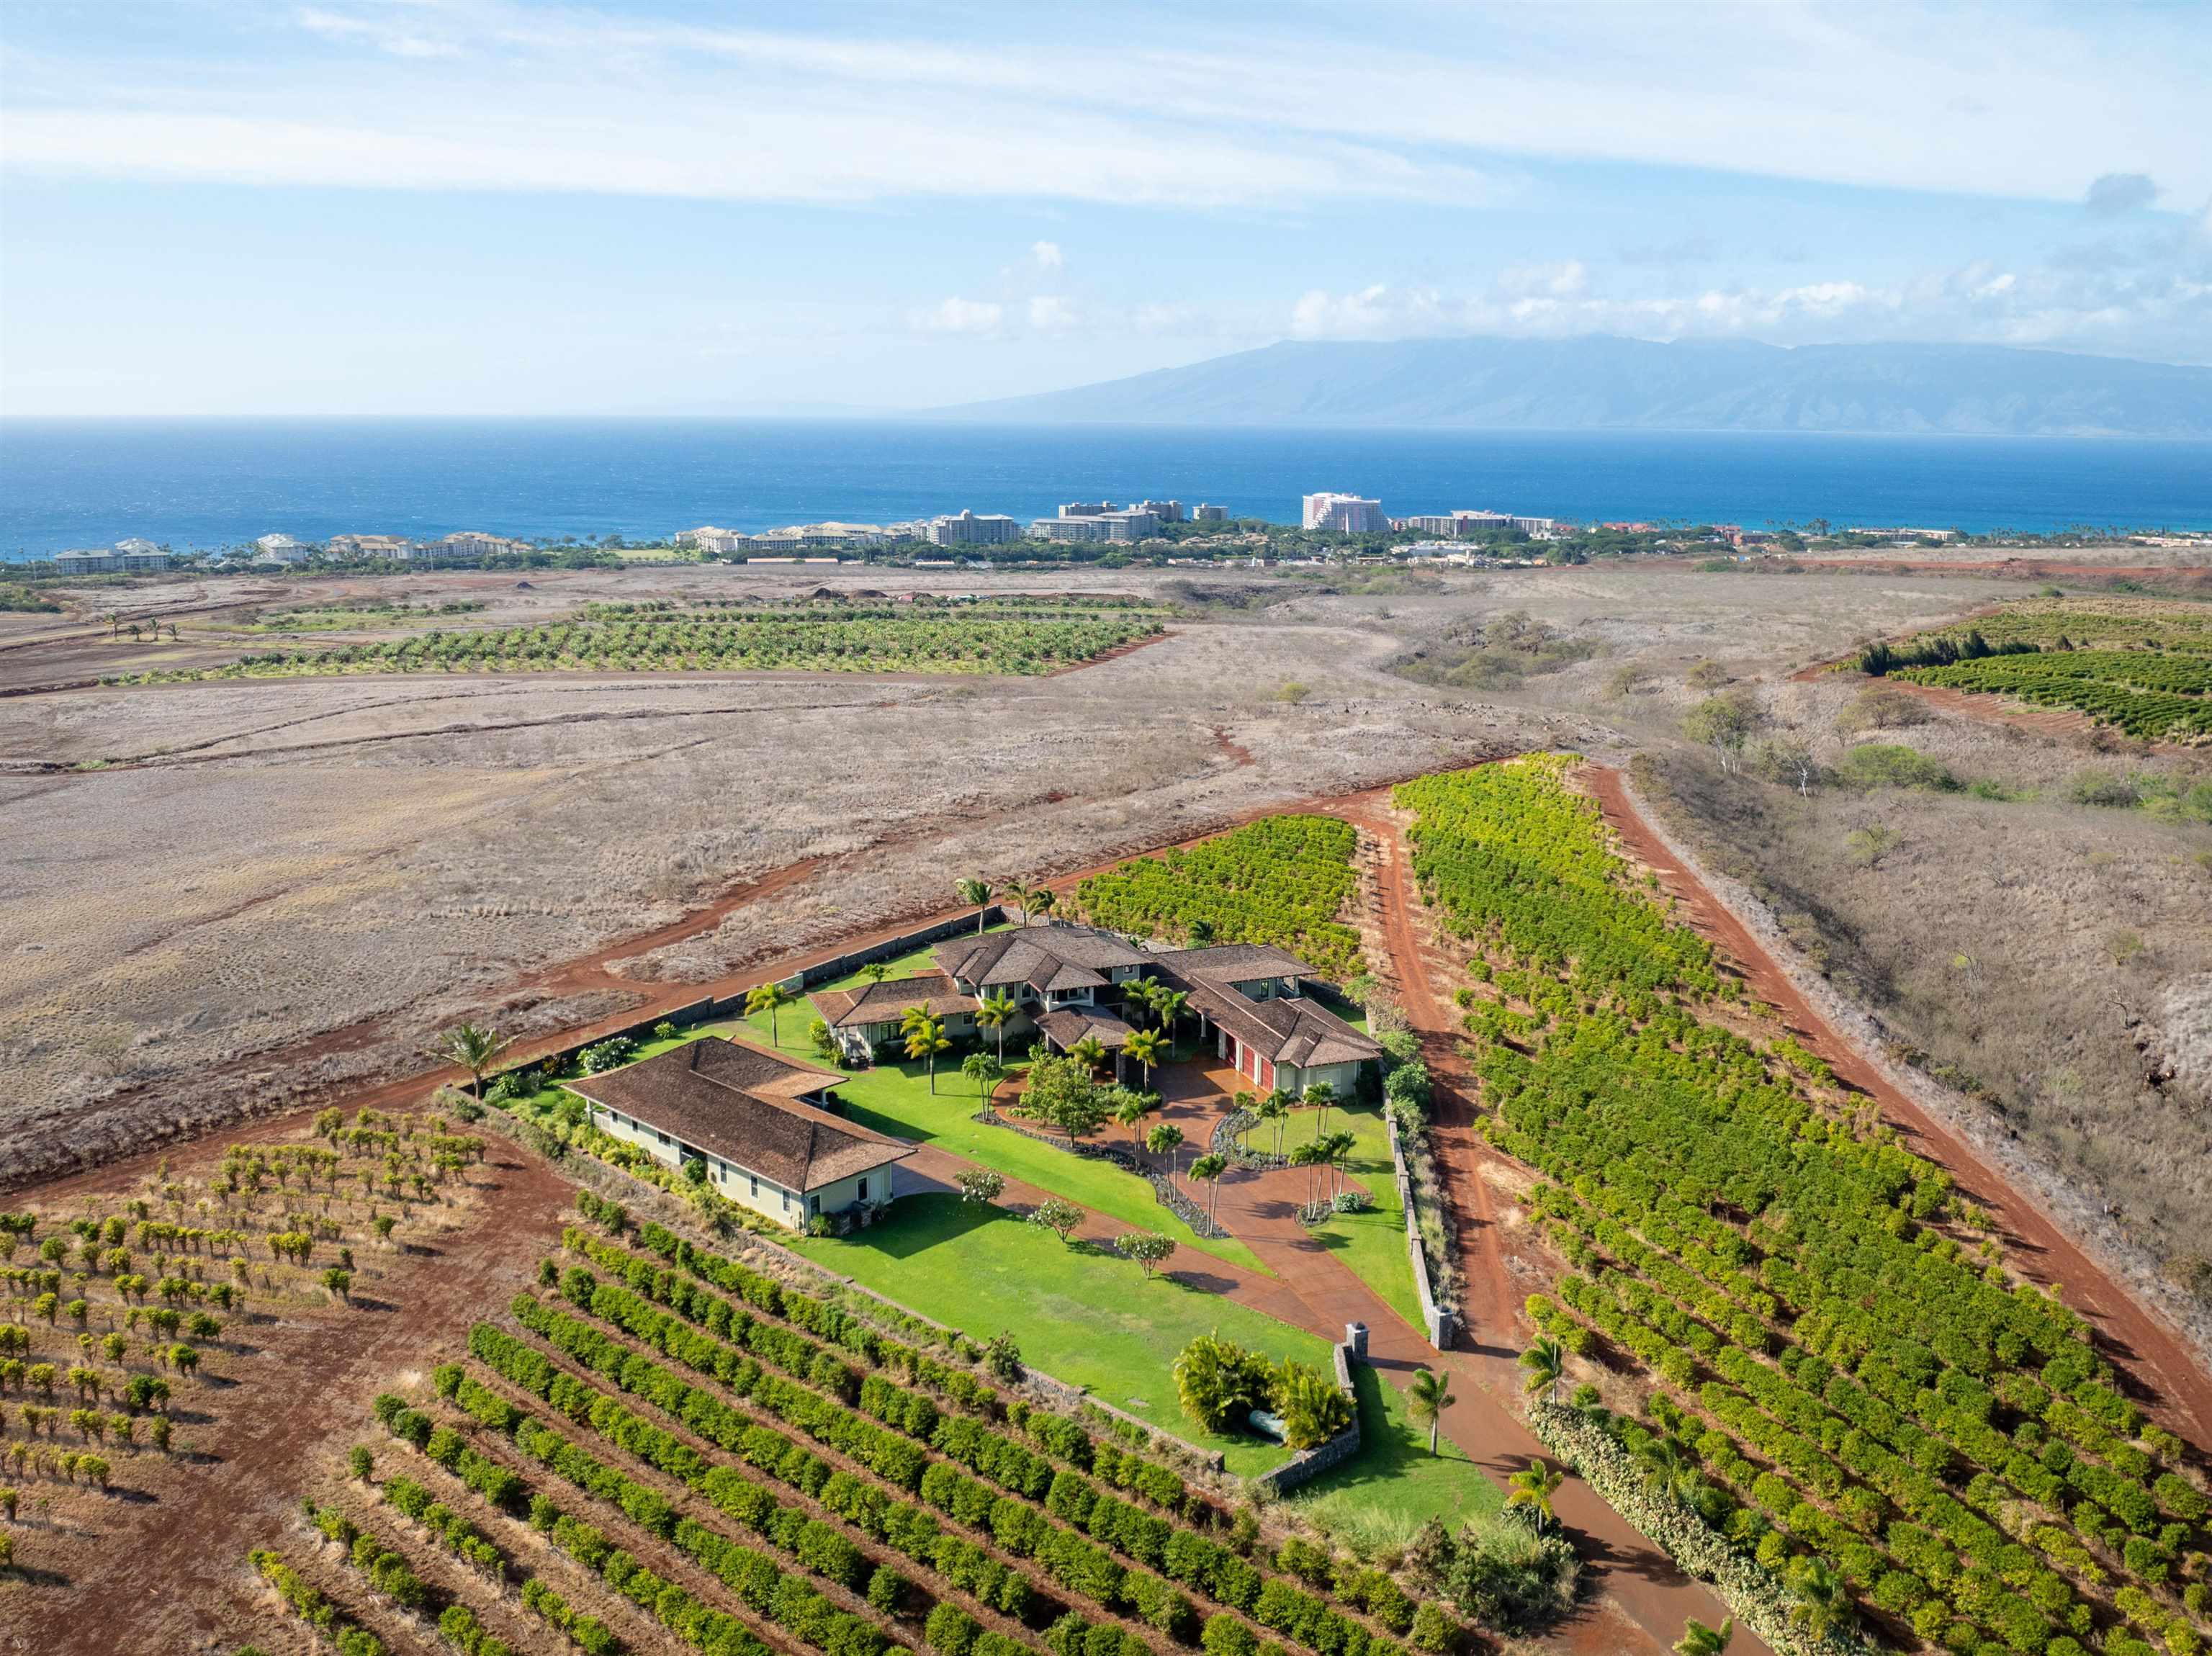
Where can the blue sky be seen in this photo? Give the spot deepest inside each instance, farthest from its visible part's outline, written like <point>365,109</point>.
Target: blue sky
<point>481,207</point>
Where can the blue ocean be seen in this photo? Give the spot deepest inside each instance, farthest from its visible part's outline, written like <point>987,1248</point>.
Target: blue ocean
<point>213,483</point>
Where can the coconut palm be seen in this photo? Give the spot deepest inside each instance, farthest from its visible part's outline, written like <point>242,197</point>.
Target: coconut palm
<point>1699,1640</point>
<point>1531,1490</point>
<point>473,1048</point>
<point>1275,1107</point>
<point>1148,1047</point>
<point>925,1040</point>
<point>1166,1139</point>
<point>977,890</point>
<point>1546,1360</point>
<point>1665,1464</point>
<point>1426,1400</point>
<point>1131,1112</point>
<point>1140,995</point>
<point>1344,1143</point>
<point>1167,1007</point>
<point>771,998</point>
<point>1210,1167</point>
<point>1090,1050</point>
<point>1824,1602</point>
<point>1307,1155</point>
<point>986,1072</point>
<point>1241,1104</point>
<point>1044,899</point>
<point>994,1011</point>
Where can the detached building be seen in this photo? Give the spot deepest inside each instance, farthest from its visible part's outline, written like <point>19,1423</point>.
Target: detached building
<point>765,1128</point>
<point>1345,514</point>
<point>966,529</point>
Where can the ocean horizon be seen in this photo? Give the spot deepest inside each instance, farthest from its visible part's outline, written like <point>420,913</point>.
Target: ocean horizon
<point>212,483</point>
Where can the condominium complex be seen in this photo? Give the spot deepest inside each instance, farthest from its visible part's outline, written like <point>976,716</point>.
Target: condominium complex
<point>117,562</point>
<point>1209,514</point>
<point>1128,524</point>
<point>371,546</point>
<point>1461,525</point>
<point>966,529</point>
<point>1345,514</point>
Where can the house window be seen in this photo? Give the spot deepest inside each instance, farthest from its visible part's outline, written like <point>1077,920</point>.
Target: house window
<point>813,1205</point>
<point>786,1199</point>
<point>756,1178</point>
<point>864,1190</point>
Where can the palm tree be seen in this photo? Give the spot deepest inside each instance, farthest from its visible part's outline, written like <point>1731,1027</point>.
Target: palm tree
<point>1131,1112</point>
<point>1546,1360</point>
<point>1140,993</point>
<point>1324,1095</point>
<point>1241,1104</point>
<point>1665,1464</point>
<point>771,998</point>
<point>1307,1155</point>
<point>474,1049</point>
<point>1275,1107</point>
<point>1090,1050</point>
<point>1148,1048</point>
<point>1426,1400</point>
<point>995,1011</point>
<point>876,971</point>
<point>1210,1167</point>
<point>925,1040</point>
<point>1166,1139</point>
<point>1044,899</point>
<point>1823,1601</point>
<point>1167,1007</point>
<point>977,890</point>
<point>1533,1488</point>
<point>986,1072</point>
<point>1341,1144</point>
<point>1022,896</point>
<point>1699,1640</point>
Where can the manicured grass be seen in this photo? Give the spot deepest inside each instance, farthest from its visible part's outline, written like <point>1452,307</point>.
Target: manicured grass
<point>1086,1317</point>
<point>1372,1244</point>
<point>1395,1484</point>
<point>895,1098</point>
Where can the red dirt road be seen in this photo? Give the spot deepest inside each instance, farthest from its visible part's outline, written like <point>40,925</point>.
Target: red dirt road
<point>2175,1389</point>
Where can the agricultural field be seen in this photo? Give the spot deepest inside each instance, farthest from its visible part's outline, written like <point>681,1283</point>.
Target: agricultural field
<point>1282,881</point>
<point>2142,668</point>
<point>641,639</point>
<point>662,1447</point>
<point>1844,1378</point>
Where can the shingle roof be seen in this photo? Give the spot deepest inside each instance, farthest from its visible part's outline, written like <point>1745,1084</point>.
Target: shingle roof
<point>886,1002</point>
<point>1288,1029</point>
<point>743,1104</point>
<point>1037,955</point>
<point>1234,963</point>
<point>1071,1023</point>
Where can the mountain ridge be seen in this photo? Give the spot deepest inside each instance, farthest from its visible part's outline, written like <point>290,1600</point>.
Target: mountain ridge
<point>1604,382</point>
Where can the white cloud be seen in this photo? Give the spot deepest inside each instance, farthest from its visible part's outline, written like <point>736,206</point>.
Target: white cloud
<point>1326,105</point>
<point>1047,255</point>
<point>961,316</point>
<point>1052,313</point>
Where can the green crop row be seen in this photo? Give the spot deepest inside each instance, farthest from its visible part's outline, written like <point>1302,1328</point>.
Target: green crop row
<point>1281,881</point>
<point>305,1600</point>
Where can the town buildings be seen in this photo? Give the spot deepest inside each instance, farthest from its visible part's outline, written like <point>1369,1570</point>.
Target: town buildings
<point>141,557</point>
<point>1345,514</point>
<point>1126,524</point>
<point>396,547</point>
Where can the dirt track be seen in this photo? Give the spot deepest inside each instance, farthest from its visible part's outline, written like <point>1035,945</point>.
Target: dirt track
<point>2176,1389</point>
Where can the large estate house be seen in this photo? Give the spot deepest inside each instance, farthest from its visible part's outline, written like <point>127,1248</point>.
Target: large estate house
<point>1066,983</point>
<point>765,1129</point>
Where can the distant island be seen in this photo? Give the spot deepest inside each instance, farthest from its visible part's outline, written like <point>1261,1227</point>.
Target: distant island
<point>1602,382</point>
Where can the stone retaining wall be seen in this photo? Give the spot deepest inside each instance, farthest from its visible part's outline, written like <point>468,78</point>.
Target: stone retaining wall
<point>1309,1463</point>
<point>1436,1321</point>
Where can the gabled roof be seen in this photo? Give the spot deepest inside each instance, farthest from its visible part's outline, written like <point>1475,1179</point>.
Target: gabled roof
<point>750,1107</point>
<point>886,1002</point>
<point>1037,955</point>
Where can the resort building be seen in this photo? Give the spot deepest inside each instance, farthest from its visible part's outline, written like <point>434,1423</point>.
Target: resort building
<point>397,547</point>
<point>765,1129</point>
<point>1209,514</point>
<point>1128,524</point>
<point>123,559</point>
<point>966,529</point>
<point>1345,514</point>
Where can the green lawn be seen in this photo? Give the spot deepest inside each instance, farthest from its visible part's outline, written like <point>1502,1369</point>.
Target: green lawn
<point>1395,1484</point>
<point>1373,1243</point>
<point>1086,1317</point>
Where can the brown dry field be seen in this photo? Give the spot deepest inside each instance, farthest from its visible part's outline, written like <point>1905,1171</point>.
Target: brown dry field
<point>275,887</point>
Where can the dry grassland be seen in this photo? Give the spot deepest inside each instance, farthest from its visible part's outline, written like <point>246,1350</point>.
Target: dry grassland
<point>278,885</point>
